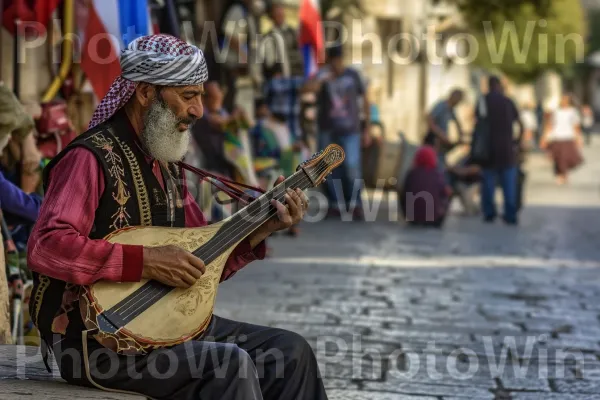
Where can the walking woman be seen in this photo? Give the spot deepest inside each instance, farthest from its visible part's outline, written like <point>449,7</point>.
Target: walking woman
<point>563,139</point>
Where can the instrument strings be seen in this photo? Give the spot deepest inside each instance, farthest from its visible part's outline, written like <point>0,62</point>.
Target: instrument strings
<point>216,248</point>
<point>260,216</point>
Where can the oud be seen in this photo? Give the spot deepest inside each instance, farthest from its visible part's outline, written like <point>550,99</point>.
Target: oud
<point>133,318</point>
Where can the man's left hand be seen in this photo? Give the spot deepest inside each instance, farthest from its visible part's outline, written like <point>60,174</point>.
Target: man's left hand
<point>296,204</point>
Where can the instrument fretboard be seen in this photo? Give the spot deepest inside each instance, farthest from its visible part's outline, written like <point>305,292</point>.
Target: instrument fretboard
<point>250,218</point>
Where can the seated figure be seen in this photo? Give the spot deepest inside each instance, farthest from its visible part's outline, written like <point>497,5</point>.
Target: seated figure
<point>425,197</point>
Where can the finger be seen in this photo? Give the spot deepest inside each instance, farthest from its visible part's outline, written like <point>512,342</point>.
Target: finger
<point>293,204</point>
<point>178,282</point>
<point>303,198</point>
<point>282,212</point>
<point>193,270</point>
<point>296,198</point>
<point>197,264</point>
<point>188,279</point>
<point>279,180</point>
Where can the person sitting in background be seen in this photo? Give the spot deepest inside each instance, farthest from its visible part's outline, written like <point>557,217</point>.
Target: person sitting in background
<point>425,196</point>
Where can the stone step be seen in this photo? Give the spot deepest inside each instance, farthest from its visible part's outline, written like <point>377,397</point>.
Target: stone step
<point>24,375</point>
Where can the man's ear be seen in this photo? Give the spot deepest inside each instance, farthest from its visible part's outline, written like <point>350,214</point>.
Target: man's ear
<point>145,93</point>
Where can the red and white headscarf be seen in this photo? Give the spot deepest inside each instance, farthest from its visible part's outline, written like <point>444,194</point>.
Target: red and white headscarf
<point>157,59</point>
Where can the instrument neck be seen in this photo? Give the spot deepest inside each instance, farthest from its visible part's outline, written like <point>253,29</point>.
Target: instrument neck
<point>250,218</point>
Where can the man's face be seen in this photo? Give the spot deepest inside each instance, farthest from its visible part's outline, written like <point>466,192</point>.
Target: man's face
<point>337,64</point>
<point>167,122</point>
<point>186,104</point>
<point>278,15</point>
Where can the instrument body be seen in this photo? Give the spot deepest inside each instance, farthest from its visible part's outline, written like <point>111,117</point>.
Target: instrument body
<point>175,318</point>
<point>133,318</point>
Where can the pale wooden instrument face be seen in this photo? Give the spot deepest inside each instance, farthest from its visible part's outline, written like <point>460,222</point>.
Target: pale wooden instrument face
<point>182,311</point>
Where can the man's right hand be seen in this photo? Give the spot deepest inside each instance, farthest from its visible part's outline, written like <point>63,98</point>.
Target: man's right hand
<point>172,266</point>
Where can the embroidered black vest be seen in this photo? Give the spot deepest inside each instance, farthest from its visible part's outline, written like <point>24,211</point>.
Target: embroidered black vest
<point>132,197</point>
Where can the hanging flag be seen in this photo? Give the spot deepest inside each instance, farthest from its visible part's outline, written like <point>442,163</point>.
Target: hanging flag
<point>312,41</point>
<point>108,27</point>
<point>28,11</point>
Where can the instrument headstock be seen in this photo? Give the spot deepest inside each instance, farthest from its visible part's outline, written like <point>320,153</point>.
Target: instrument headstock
<point>320,165</point>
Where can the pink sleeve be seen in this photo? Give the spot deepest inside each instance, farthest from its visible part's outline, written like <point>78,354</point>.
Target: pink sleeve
<point>59,246</point>
<point>241,256</point>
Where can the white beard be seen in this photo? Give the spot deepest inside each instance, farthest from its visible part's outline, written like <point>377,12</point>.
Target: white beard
<point>160,134</point>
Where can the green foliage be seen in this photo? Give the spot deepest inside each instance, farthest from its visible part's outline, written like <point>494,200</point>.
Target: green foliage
<point>530,38</point>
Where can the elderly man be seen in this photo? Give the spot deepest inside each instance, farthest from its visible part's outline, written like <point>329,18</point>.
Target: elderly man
<point>123,172</point>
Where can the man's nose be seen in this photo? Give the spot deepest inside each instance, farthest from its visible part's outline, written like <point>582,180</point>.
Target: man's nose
<point>196,110</point>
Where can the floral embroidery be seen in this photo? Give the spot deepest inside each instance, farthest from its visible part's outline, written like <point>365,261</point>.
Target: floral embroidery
<point>138,181</point>
<point>116,170</point>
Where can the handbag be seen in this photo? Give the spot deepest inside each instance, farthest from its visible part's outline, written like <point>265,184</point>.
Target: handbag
<point>480,141</point>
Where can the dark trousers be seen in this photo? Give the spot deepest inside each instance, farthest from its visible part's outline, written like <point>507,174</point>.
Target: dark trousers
<point>508,182</point>
<point>233,361</point>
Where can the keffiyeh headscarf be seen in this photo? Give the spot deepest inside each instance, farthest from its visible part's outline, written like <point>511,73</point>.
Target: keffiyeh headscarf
<point>157,59</point>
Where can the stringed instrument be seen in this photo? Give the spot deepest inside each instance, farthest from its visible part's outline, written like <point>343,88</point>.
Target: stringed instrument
<point>133,318</point>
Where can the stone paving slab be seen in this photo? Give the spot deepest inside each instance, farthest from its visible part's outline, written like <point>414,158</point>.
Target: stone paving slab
<point>362,395</point>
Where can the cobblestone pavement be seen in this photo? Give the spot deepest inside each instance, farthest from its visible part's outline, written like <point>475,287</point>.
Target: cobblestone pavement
<point>474,311</point>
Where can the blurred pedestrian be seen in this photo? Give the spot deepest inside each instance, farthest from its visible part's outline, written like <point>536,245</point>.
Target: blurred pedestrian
<point>502,163</point>
<point>238,40</point>
<point>339,89</point>
<point>209,131</point>
<point>425,196</point>
<point>281,46</point>
<point>272,139</point>
<point>438,124</point>
<point>530,125</point>
<point>282,97</point>
<point>563,139</point>
<point>587,122</point>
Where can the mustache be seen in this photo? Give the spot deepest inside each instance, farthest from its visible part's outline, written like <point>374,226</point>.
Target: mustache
<point>187,121</point>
